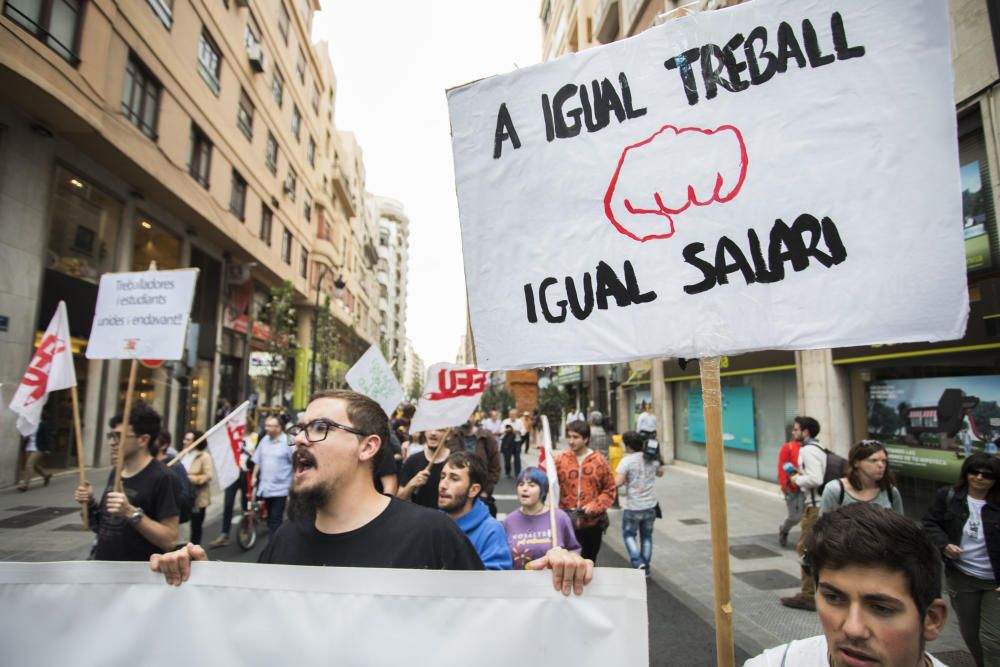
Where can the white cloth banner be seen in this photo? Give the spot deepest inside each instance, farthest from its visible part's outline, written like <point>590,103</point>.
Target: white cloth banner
<point>51,369</point>
<point>224,441</point>
<point>451,393</point>
<point>247,614</point>
<point>142,315</point>
<point>775,175</point>
<point>373,377</point>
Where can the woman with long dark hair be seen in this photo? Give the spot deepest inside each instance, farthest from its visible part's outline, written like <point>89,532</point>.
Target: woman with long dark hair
<point>868,480</point>
<point>964,523</point>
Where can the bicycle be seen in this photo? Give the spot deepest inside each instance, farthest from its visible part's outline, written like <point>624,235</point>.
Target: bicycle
<point>254,514</point>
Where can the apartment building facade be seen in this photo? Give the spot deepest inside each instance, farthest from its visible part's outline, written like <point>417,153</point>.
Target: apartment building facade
<point>189,133</point>
<point>393,264</point>
<point>899,393</point>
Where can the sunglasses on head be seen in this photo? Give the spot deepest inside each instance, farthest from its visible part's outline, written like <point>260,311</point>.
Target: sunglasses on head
<point>870,443</point>
<point>985,474</point>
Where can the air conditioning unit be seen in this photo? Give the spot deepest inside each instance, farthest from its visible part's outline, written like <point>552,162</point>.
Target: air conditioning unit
<point>256,56</point>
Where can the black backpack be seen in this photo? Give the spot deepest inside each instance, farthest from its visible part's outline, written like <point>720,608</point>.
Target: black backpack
<point>836,466</point>
<point>182,491</point>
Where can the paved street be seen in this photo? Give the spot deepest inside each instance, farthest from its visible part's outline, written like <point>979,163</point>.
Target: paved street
<point>43,525</point>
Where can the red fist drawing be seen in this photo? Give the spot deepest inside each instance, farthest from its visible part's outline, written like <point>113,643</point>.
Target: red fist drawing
<point>662,176</point>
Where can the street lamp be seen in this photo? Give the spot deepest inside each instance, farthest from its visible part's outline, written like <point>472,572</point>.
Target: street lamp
<point>338,284</point>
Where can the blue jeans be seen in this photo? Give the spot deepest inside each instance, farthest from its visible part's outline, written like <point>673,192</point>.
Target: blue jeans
<point>275,513</point>
<point>641,522</point>
<point>233,490</point>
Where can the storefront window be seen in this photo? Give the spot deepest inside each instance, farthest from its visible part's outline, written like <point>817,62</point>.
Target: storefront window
<point>83,237</point>
<point>84,228</point>
<point>978,215</point>
<point>154,243</point>
<point>757,410</point>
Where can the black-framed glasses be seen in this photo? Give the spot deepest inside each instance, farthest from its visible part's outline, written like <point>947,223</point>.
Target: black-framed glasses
<point>318,429</point>
<point>116,436</point>
<point>985,474</point>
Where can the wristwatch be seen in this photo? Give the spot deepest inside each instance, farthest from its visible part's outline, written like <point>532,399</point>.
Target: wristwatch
<point>135,517</point>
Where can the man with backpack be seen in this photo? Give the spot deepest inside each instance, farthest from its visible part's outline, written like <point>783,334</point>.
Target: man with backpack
<point>179,477</point>
<point>810,475</point>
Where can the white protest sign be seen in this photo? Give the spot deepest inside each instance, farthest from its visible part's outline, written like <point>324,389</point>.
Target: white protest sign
<point>373,377</point>
<point>775,175</point>
<point>142,315</point>
<point>317,616</point>
<point>451,393</point>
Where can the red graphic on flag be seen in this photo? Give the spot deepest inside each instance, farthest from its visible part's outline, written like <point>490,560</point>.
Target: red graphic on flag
<point>37,375</point>
<point>235,432</point>
<point>460,382</point>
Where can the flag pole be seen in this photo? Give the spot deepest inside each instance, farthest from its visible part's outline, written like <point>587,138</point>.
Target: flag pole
<point>712,400</point>
<point>79,452</point>
<point>434,459</point>
<point>184,452</point>
<point>120,459</point>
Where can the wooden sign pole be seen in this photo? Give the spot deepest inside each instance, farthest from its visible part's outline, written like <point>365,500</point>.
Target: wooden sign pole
<point>79,452</point>
<point>552,522</point>
<point>712,400</point>
<point>124,426</point>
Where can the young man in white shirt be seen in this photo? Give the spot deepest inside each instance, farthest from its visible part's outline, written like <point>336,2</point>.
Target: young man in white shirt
<point>808,476</point>
<point>646,425</point>
<point>878,581</point>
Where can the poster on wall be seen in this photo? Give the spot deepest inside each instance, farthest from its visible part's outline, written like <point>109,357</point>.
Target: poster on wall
<point>930,425</point>
<point>737,417</point>
<point>975,218</point>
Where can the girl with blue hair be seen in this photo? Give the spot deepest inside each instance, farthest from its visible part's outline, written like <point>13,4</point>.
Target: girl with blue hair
<point>529,531</point>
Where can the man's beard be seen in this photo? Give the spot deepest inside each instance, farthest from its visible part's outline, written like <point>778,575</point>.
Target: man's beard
<point>303,504</point>
<point>456,502</point>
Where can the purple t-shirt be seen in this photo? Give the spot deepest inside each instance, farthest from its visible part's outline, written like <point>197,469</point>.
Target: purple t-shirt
<point>530,537</point>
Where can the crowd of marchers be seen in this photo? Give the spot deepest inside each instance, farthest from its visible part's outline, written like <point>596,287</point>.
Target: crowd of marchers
<point>345,486</point>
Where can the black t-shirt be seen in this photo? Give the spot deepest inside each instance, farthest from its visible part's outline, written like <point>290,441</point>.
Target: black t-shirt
<point>386,466</point>
<point>427,495</point>
<point>152,489</point>
<point>402,536</point>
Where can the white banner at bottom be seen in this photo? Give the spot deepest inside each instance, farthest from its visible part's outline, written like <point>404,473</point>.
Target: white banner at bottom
<point>86,613</point>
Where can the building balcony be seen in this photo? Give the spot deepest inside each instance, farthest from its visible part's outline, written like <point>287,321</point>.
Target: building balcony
<point>344,192</point>
<point>606,21</point>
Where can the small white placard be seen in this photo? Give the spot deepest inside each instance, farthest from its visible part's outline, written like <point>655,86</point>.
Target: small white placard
<point>142,315</point>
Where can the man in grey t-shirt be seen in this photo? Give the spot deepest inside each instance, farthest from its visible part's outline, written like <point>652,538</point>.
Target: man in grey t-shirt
<point>638,475</point>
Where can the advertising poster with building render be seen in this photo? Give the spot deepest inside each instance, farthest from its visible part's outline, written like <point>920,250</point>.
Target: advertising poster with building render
<point>929,425</point>
<point>775,175</point>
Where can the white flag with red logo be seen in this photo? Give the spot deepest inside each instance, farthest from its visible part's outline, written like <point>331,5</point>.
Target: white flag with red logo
<point>224,442</point>
<point>451,393</point>
<point>51,369</point>
<point>544,458</point>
